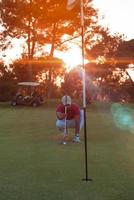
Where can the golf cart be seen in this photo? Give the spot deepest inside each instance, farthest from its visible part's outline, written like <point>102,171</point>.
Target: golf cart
<point>28,93</point>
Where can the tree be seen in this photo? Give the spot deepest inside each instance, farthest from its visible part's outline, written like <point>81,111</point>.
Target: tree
<point>108,80</point>
<point>72,84</point>
<point>45,70</point>
<point>123,58</point>
<point>109,57</point>
<point>104,45</point>
<point>42,21</point>
<point>46,22</point>
<point>126,50</point>
<point>7,83</point>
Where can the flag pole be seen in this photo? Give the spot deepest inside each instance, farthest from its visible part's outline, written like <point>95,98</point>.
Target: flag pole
<point>84,90</point>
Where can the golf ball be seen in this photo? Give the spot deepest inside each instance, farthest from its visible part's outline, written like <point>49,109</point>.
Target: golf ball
<point>64,143</point>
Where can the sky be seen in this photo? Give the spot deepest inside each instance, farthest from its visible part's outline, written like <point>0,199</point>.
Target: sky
<point>118,15</point>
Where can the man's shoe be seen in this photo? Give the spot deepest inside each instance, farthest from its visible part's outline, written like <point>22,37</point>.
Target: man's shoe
<point>61,129</point>
<point>76,139</point>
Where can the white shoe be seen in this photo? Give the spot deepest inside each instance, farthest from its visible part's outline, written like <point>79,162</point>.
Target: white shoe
<point>76,139</point>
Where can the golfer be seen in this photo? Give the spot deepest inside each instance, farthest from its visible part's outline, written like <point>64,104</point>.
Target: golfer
<point>69,115</point>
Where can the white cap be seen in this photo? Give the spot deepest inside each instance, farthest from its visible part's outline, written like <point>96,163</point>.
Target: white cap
<point>66,100</point>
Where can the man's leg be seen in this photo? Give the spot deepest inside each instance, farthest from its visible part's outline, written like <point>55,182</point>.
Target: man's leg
<point>81,124</point>
<point>81,118</point>
<point>70,124</point>
<point>61,125</point>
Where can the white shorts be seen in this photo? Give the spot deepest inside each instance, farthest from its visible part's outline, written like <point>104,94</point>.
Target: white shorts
<point>70,123</point>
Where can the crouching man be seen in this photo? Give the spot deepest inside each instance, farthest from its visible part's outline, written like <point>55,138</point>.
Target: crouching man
<point>69,115</point>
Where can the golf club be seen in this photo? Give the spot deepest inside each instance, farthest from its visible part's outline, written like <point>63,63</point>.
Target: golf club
<point>65,127</point>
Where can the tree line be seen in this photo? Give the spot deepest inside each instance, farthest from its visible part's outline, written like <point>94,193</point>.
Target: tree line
<point>43,22</point>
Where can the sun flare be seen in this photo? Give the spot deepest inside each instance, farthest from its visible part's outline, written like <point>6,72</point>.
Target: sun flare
<point>72,57</point>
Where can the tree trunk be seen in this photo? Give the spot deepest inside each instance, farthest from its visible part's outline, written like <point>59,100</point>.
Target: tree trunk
<point>51,55</point>
<point>53,39</point>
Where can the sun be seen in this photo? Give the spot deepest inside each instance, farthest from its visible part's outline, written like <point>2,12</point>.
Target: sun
<point>72,58</point>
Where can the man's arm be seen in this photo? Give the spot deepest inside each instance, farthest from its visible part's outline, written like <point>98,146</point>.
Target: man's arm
<point>60,115</point>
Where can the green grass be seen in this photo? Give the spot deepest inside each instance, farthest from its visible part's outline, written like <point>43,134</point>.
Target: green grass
<point>34,166</point>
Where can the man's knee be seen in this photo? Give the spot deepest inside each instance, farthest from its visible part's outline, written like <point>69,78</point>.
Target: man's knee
<point>69,123</point>
<point>60,123</point>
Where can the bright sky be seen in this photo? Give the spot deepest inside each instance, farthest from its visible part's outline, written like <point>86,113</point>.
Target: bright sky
<point>118,15</point>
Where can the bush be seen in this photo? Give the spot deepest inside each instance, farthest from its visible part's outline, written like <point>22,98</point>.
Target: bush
<point>7,90</point>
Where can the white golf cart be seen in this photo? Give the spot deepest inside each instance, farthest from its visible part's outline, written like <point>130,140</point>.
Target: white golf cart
<point>28,93</point>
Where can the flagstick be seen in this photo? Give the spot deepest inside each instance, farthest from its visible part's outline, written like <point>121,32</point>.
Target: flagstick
<point>84,93</point>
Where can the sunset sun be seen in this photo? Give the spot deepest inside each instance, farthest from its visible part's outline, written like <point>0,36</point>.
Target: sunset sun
<point>72,57</point>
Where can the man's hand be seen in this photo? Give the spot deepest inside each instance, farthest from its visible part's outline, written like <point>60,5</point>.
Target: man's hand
<point>61,115</point>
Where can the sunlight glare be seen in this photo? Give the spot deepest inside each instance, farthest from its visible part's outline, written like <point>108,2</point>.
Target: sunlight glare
<point>13,52</point>
<point>130,71</point>
<point>72,57</point>
<point>123,117</point>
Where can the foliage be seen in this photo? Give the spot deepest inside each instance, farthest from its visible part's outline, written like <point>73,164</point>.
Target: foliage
<point>7,83</point>
<point>113,54</point>
<point>109,82</point>
<point>72,84</point>
<point>43,22</point>
<point>126,50</point>
<point>103,45</point>
<point>45,70</point>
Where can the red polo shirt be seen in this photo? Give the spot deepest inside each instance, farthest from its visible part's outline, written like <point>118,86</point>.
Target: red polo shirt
<point>72,110</point>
